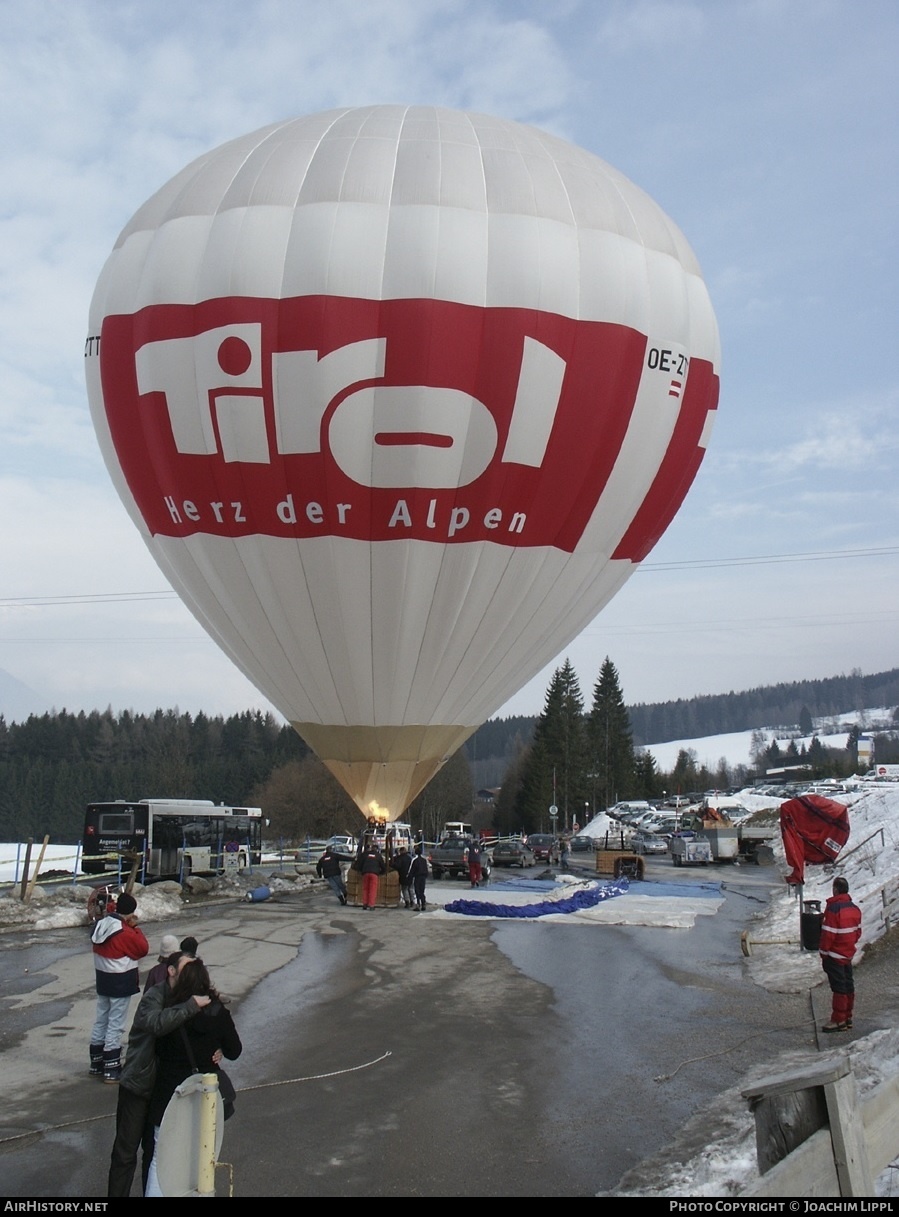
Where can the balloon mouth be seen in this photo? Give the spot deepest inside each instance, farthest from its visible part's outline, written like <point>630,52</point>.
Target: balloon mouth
<point>382,769</point>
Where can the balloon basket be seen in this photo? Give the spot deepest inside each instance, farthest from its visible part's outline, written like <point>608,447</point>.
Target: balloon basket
<point>388,889</point>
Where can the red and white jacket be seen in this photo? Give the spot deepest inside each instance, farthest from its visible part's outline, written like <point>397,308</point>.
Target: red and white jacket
<point>117,948</point>
<point>841,928</point>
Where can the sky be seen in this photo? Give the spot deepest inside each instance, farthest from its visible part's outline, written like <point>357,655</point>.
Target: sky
<point>765,128</point>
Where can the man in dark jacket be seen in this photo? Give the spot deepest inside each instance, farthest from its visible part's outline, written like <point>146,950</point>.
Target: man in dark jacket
<point>401,863</point>
<point>840,932</point>
<point>418,873</point>
<point>153,1018</point>
<point>328,868</point>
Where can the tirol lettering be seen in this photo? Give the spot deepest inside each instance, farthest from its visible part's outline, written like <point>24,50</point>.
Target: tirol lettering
<point>378,419</point>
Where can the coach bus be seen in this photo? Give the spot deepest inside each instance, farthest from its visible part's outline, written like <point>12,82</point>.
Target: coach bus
<point>171,837</point>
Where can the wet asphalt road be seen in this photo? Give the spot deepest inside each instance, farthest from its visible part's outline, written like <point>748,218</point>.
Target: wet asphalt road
<point>389,1053</point>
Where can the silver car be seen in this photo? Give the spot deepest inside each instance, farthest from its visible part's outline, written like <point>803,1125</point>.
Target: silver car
<point>648,843</point>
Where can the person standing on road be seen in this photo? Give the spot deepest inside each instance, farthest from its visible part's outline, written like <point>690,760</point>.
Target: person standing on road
<point>196,1047</point>
<point>418,873</point>
<point>117,945</point>
<point>401,862</point>
<point>472,855</point>
<point>156,1015</point>
<point>328,868</point>
<point>840,932</point>
<point>373,867</point>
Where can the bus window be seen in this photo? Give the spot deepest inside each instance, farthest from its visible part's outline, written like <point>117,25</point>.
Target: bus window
<point>118,822</point>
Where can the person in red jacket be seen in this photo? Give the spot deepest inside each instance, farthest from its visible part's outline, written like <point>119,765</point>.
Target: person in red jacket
<point>840,932</point>
<point>117,944</point>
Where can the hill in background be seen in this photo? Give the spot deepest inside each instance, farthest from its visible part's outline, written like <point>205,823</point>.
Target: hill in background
<point>829,706</point>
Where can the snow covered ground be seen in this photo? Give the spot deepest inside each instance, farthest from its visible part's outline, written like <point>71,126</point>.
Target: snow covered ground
<point>833,732</point>
<point>734,747</point>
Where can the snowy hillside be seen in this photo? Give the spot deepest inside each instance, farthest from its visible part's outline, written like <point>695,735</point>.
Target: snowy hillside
<point>735,747</point>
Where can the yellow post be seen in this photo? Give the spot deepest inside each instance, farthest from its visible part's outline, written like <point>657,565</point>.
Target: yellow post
<point>206,1144</point>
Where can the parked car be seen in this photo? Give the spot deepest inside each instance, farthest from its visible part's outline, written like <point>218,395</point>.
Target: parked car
<point>512,853</point>
<point>635,807</point>
<point>582,844</point>
<point>545,846</point>
<point>648,843</point>
<point>643,820</point>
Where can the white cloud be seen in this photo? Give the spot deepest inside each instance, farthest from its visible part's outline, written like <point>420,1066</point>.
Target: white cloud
<point>651,23</point>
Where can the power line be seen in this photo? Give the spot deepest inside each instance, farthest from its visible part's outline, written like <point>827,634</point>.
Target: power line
<point>92,598</point>
<point>826,555</point>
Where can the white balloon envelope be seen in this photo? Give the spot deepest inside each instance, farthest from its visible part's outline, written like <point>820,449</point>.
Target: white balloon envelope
<point>398,398</point>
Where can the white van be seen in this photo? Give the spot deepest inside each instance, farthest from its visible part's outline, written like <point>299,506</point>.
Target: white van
<point>631,808</point>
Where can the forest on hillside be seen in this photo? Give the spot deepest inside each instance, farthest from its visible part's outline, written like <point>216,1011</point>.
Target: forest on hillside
<point>53,765</point>
<point>773,706</point>
<point>776,706</point>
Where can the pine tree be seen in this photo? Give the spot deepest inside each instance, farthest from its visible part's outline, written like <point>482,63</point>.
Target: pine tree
<point>613,763</point>
<point>684,775</point>
<point>852,746</point>
<point>556,767</point>
<point>649,782</point>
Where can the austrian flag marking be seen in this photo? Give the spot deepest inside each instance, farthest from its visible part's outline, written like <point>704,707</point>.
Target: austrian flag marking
<point>381,419</point>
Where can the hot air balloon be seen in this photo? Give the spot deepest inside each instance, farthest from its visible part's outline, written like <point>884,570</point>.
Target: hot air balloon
<point>398,398</point>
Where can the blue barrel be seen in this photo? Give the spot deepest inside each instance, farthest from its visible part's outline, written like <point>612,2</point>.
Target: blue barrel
<point>259,893</point>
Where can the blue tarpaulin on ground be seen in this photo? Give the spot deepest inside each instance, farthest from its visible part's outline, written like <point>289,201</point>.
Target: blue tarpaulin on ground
<point>583,898</point>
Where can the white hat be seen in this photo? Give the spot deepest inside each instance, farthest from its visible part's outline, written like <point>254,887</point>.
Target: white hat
<point>168,946</point>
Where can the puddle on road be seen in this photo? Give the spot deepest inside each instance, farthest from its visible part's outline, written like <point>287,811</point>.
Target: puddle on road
<point>319,973</point>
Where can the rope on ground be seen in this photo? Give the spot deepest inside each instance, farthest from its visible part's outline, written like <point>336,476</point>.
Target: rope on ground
<point>730,887</point>
<point>316,1077</point>
<point>313,1077</point>
<point>666,1077</point>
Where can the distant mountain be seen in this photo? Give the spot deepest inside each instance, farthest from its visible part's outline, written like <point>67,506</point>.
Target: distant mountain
<point>18,700</point>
